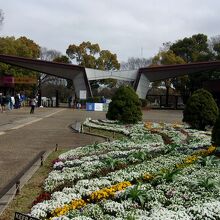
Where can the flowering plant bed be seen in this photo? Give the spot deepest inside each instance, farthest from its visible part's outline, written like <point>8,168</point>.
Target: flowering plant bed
<point>161,171</point>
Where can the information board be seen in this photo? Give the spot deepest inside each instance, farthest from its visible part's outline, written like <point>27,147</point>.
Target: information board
<point>20,216</point>
<point>82,94</point>
<point>98,107</point>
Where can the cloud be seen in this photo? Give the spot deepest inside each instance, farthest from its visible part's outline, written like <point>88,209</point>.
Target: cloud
<point>124,26</point>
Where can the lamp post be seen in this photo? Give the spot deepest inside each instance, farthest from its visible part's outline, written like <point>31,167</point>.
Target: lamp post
<point>167,84</point>
<point>39,92</point>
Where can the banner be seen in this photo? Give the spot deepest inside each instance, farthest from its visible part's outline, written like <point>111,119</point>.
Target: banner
<point>25,80</point>
<point>7,81</point>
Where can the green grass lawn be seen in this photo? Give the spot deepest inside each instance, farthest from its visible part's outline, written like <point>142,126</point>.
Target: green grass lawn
<point>108,134</point>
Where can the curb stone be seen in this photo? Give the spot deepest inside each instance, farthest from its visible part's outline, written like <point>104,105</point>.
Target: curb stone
<point>11,193</point>
<point>78,127</point>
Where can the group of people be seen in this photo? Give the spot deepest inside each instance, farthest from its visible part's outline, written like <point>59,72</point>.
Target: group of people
<point>8,102</point>
<point>74,103</point>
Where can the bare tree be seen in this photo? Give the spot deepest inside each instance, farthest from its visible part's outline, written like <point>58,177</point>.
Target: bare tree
<point>49,55</point>
<point>214,46</point>
<point>135,63</point>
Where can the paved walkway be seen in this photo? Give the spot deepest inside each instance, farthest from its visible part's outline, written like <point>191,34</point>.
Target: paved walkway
<point>23,136</point>
<point>169,116</point>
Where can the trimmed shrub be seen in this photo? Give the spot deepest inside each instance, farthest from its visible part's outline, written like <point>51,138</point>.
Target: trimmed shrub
<point>125,106</point>
<point>216,133</point>
<point>95,99</point>
<point>200,110</point>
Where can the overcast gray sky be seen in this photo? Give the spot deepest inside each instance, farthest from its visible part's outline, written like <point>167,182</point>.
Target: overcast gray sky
<point>129,28</point>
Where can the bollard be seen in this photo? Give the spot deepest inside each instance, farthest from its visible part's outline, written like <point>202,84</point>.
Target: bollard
<point>113,134</point>
<point>56,149</point>
<point>17,185</point>
<point>41,160</point>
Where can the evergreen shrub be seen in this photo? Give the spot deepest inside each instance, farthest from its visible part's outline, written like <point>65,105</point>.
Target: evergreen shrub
<point>125,106</point>
<point>201,110</point>
<point>95,99</point>
<point>216,133</point>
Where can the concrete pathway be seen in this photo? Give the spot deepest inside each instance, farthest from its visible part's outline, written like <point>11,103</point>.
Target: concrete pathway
<point>23,136</point>
<point>169,116</point>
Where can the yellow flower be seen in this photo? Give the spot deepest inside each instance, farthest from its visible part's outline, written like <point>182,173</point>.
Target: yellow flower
<point>176,125</point>
<point>75,204</point>
<point>190,159</point>
<point>211,149</point>
<point>147,177</point>
<point>148,125</point>
<point>108,192</point>
<point>205,152</point>
<point>180,165</point>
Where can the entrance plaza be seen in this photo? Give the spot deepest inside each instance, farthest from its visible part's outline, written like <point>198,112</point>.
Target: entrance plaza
<point>24,135</point>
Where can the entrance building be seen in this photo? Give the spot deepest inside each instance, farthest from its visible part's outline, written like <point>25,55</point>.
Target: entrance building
<point>80,76</point>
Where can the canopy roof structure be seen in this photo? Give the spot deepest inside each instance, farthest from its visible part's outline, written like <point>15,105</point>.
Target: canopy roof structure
<point>81,76</point>
<point>66,71</point>
<point>156,73</point>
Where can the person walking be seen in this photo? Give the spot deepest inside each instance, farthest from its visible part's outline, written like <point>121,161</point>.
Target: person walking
<point>33,103</point>
<point>3,103</point>
<point>17,101</point>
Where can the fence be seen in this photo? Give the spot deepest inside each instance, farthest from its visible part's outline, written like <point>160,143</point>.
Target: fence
<point>162,101</point>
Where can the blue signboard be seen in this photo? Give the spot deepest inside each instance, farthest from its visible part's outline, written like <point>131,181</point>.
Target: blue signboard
<point>90,106</point>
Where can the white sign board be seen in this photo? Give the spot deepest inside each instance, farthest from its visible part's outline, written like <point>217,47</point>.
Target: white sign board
<point>98,107</point>
<point>82,94</point>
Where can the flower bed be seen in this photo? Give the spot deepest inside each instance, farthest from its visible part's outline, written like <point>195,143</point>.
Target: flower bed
<point>141,177</point>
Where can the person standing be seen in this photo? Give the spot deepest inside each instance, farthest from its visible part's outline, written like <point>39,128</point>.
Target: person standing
<point>17,101</point>
<point>8,101</point>
<point>33,103</point>
<point>1,102</point>
<point>70,99</point>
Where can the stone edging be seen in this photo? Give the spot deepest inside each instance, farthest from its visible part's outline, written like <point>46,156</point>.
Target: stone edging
<point>11,193</point>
